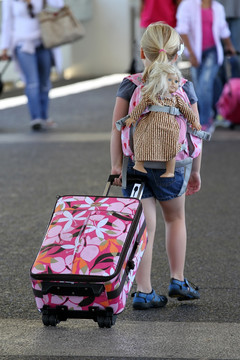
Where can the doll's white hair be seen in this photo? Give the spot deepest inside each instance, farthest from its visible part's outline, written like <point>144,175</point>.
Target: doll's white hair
<point>157,82</point>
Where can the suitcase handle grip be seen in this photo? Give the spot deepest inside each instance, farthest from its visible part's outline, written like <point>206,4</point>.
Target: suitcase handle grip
<point>111,178</point>
<point>138,180</point>
<point>130,178</point>
<point>109,183</point>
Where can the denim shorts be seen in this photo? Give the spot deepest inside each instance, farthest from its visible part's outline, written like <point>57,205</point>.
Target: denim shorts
<point>161,188</point>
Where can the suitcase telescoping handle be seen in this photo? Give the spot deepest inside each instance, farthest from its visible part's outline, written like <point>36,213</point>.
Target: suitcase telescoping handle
<point>137,190</point>
<point>227,64</point>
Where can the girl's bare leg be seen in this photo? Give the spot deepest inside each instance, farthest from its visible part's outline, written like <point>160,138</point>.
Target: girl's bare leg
<point>176,237</point>
<point>143,275</point>
<point>170,168</point>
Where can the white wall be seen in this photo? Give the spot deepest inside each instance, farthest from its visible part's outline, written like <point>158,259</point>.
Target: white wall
<point>106,48</point>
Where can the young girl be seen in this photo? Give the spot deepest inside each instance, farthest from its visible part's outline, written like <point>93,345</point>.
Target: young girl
<point>165,191</point>
<point>156,137</point>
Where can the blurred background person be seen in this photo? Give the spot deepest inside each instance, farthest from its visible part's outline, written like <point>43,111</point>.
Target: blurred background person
<point>202,26</point>
<point>152,11</point>
<point>232,10</point>
<point>21,40</point>
<point>231,65</point>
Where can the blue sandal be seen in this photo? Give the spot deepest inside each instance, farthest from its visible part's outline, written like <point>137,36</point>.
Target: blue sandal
<point>143,301</point>
<point>182,290</point>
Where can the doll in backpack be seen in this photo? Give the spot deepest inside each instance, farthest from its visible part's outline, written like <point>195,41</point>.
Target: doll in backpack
<point>156,137</point>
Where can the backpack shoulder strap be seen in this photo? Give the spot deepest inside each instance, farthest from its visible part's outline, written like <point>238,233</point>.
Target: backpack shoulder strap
<point>136,96</point>
<point>135,78</point>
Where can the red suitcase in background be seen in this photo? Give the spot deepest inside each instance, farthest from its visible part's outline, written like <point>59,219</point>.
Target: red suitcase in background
<point>89,257</point>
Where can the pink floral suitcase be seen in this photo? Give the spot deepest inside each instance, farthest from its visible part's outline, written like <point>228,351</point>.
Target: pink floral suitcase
<point>89,257</point>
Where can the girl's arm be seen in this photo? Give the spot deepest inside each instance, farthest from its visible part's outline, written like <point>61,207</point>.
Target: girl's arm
<point>120,110</point>
<point>194,184</point>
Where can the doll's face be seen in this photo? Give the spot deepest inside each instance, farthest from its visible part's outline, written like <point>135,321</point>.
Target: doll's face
<point>173,83</point>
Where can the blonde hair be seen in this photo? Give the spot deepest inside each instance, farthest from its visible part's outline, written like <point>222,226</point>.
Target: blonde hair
<point>160,43</point>
<point>157,82</point>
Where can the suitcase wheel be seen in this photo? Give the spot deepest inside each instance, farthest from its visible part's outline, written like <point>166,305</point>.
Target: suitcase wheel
<point>51,320</point>
<point>106,321</point>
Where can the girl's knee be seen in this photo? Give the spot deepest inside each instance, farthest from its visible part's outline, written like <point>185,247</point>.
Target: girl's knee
<point>174,210</point>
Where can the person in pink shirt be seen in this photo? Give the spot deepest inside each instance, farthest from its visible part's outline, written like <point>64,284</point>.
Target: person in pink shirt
<point>202,26</point>
<point>158,10</point>
<point>152,11</point>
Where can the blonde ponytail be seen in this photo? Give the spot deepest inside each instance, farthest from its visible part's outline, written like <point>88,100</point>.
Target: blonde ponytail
<point>160,43</point>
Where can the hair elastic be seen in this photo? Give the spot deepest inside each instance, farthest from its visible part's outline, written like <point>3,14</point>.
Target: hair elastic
<point>160,50</point>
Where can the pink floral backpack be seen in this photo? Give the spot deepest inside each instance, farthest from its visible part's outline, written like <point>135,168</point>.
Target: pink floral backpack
<point>191,140</point>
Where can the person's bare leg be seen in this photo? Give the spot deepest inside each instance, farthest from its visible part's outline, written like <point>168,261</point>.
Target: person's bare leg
<point>176,237</point>
<point>170,168</point>
<point>143,275</point>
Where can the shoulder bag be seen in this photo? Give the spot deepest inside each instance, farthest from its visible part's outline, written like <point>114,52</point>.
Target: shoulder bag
<point>59,28</point>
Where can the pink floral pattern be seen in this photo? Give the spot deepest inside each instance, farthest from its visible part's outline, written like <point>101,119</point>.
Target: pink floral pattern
<point>86,237</point>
